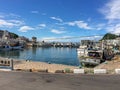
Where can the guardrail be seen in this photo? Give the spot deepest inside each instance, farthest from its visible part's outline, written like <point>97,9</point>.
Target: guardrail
<point>96,71</point>
<point>79,71</point>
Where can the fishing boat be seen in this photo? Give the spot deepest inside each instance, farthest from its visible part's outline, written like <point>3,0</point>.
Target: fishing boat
<point>89,56</point>
<point>93,58</point>
<point>5,47</point>
<point>17,48</point>
<point>8,47</point>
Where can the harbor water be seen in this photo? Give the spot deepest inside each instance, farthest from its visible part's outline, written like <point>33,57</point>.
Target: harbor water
<point>66,56</point>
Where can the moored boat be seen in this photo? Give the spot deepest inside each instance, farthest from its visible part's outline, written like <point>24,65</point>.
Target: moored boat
<point>90,62</point>
<point>89,56</point>
<point>5,47</point>
<point>8,47</point>
<point>17,47</point>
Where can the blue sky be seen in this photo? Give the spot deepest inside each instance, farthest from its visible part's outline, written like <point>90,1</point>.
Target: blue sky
<point>49,19</point>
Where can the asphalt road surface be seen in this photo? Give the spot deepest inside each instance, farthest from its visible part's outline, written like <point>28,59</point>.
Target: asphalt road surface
<point>44,81</point>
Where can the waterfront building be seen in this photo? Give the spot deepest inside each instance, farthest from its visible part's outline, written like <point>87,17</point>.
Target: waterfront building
<point>44,44</point>
<point>87,42</point>
<point>34,39</point>
<point>6,35</point>
<point>22,40</point>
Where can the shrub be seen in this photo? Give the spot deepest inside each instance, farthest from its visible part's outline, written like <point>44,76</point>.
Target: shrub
<point>67,70</point>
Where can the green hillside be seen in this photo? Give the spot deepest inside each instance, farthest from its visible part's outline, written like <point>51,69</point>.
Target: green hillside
<point>12,35</point>
<point>109,36</point>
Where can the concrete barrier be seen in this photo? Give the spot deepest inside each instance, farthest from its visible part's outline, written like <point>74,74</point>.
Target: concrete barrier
<point>79,71</point>
<point>100,71</point>
<point>5,70</point>
<point>117,71</point>
<point>6,65</point>
<point>5,62</point>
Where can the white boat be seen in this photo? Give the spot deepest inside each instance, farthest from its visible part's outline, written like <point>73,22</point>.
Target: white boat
<point>90,61</point>
<point>17,48</point>
<point>89,56</point>
<point>94,58</point>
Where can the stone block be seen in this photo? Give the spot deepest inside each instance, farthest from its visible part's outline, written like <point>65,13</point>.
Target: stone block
<point>59,71</point>
<point>117,71</point>
<point>79,71</point>
<point>100,71</point>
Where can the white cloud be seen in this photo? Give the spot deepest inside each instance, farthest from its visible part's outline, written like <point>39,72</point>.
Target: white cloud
<point>10,23</point>
<point>25,28</point>
<point>4,23</point>
<point>10,20</point>
<point>47,39</point>
<point>71,38</point>
<point>12,15</point>
<point>114,29</point>
<point>17,22</point>
<point>111,12</point>
<point>97,37</point>
<point>42,25</point>
<point>80,24</point>
<point>71,23</point>
<point>57,39</point>
<point>100,26</point>
<point>35,12</point>
<point>56,18</point>
<point>57,31</point>
<point>93,37</point>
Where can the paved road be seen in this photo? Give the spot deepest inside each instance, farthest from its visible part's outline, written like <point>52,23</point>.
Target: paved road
<point>42,81</point>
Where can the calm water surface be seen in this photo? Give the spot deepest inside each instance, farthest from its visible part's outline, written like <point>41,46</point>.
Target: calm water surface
<point>66,56</point>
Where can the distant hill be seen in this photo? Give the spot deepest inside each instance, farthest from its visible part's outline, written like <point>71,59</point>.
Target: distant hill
<point>109,36</point>
<point>12,35</point>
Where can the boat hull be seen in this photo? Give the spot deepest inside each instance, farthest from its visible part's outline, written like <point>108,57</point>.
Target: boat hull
<point>17,48</point>
<point>5,48</point>
<point>90,62</point>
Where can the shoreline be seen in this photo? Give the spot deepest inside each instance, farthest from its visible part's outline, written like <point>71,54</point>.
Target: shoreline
<point>35,66</point>
<point>38,66</point>
<point>42,66</point>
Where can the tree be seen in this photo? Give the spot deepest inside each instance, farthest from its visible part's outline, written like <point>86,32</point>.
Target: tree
<point>13,35</point>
